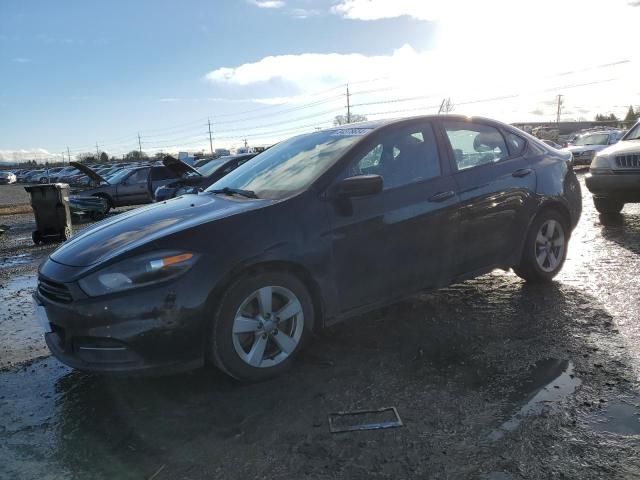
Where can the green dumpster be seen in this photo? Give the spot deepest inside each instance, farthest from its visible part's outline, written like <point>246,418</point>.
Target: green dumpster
<point>50,203</point>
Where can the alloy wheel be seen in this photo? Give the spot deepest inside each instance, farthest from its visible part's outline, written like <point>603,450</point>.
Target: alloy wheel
<point>268,326</point>
<point>549,245</point>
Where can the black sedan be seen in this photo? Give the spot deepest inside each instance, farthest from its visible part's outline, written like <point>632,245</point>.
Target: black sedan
<point>317,229</point>
<point>194,180</point>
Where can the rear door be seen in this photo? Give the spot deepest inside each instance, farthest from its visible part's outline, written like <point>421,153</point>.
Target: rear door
<point>496,187</point>
<point>398,241</point>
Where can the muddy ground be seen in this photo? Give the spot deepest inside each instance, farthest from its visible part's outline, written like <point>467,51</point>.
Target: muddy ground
<point>492,378</point>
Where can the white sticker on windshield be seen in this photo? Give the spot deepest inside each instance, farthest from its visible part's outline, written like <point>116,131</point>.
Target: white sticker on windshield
<point>350,132</point>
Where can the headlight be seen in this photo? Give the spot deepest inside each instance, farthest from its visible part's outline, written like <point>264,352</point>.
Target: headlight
<point>137,272</point>
<point>600,164</point>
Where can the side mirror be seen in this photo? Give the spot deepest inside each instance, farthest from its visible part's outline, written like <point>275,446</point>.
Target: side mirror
<point>358,186</point>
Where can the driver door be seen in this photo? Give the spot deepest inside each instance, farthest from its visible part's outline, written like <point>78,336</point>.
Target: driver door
<point>398,241</point>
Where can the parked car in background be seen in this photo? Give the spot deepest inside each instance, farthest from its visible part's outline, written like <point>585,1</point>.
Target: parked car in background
<point>128,186</point>
<point>552,144</point>
<point>585,146</point>
<point>63,175</point>
<point>22,176</point>
<point>7,178</point>
<point>317,229</point>
<point>194,180</point>
<point>614,175</point>
<point>34,176</point>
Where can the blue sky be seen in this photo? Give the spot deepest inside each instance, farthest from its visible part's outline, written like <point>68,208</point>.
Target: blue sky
<point>76,72</point>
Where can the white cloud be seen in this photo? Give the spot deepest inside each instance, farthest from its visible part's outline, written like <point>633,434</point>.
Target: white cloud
<point>40,155</point>
<point>316,70</point>
<point>21,60</point>
<point>378,9</point>
<point>268,3</point>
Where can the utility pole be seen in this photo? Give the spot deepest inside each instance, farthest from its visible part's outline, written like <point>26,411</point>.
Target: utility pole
<point>245,143</point>
<point>446,106</point>
<point>559,110</point>
<point>68,154</point>
<point>139,143</point>
<point>210,139</point>
<point>97,153</point>
<point>348,105</point>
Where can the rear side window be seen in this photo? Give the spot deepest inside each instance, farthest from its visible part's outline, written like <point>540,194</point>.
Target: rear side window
<point>161,173</point>
<point>475,144</point>
<point>139,176</point>
<point>516,143</point>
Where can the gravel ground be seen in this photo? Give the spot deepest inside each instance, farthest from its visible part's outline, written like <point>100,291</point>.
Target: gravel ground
<point>493,379</point>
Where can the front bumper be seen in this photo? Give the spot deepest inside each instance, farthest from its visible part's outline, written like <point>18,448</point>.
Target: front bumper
<point>620,186</point>
<point>155,329</point>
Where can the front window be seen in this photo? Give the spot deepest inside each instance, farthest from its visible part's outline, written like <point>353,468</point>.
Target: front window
<point>634,133</point>
<point>593,139</point>
<point>292,165</point>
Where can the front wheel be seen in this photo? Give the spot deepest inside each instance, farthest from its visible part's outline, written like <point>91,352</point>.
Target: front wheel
<point>608,206</point>
<point>545,248</point>
<point>261,323</point>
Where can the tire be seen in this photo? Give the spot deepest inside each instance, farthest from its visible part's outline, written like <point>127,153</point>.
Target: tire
<point>248,341</point>
<point>545,248</point>
<point>608,206</point>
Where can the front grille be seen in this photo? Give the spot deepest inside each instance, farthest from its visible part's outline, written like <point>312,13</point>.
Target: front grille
<point>628,161</point>
<point>54,291</point>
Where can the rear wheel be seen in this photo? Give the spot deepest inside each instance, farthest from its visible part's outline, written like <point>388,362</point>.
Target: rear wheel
<point>545,248</point>
<point>261,323</point>
<point>608,206</point>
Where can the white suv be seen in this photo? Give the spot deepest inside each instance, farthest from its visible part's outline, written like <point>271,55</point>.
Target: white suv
<point>614,175</point>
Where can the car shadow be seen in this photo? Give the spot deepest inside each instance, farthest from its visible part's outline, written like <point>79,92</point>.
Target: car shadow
<point>456,363</point>
<point>623,229</point>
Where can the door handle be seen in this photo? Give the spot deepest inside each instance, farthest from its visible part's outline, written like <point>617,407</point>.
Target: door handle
<point>523,172</point>
<point>442,196</point>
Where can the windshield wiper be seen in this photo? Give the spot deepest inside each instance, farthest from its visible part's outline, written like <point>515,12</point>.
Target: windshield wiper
<point>236,191</point>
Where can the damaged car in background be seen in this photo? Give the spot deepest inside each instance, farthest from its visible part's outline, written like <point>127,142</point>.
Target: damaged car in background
<point>319,228</point>
<point>194,180</point>
<point>129,186</point>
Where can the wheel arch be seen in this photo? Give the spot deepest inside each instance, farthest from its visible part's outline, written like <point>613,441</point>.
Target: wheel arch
<point>548,205</point>
<point>296,269</point>
<point>558,207</point>
<point>106,196</point>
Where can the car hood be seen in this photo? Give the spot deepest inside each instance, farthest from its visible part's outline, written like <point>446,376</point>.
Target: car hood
<point>178,167</point>
<point>585,148</point>
<point>92,174</point>
<point>622,147</point>
<point>133,229</point>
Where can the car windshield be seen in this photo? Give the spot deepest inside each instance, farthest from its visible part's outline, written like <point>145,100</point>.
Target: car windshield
<point>210,167</point>
<point>634,133</point>
<point>292,165</point>
<point>593,139</point>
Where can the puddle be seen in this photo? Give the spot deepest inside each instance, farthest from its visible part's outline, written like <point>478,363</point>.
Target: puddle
<point>621,416</point>
<point>550,382</point>
<point>21,338</point>
<point>22,259</point>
